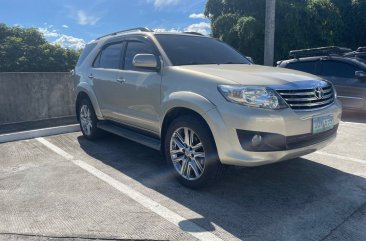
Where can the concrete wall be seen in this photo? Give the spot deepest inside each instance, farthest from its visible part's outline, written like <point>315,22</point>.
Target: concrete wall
<point>35,96</point>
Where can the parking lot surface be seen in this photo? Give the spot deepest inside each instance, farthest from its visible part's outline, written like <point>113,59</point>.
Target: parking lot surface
<point>65,187</point>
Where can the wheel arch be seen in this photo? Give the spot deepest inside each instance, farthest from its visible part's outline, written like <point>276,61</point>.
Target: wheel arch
<point>81,95</point>
<point>175,112</point>
<point>84,91</point>
<point>184,103</point>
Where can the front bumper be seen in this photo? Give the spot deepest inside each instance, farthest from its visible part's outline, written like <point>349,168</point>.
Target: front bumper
<point>228,118</point>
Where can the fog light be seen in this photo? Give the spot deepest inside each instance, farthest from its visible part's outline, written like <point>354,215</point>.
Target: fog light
<point>256,140</point>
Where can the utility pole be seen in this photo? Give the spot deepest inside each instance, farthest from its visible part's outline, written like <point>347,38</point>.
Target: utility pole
<point>269,32</point>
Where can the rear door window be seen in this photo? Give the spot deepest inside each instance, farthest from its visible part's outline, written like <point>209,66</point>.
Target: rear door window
<point>88,48</point>
<point>338,69</point>
<point>110,57</point>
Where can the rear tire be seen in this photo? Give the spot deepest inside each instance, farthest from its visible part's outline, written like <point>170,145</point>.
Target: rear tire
<point>191,150</point>
<point>88,120</point>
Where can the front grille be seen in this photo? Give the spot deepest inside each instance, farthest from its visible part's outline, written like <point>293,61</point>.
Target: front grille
<point>306,99</point>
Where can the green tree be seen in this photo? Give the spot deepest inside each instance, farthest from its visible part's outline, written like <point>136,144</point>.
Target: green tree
<point>299,24</point>
<point>26,50</point>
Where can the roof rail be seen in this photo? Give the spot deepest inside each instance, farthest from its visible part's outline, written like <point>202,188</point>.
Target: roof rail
<point>194,33</point>
<point>361,49</point>
<point>141,29</point>
<point>323,51</point>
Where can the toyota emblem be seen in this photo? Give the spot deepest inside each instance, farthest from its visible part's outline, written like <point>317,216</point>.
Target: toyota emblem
<point>319,92</point>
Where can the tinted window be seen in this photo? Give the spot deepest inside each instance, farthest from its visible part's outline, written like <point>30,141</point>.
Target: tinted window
<point>308,67</point>
<point>110,57</point>
<point>134,48</point>
<point>337,69</point>
<point>88,48</point>
<point>190,50</point>
<point>362,60</point>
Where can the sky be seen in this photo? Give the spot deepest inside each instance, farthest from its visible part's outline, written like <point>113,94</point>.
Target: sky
<point>74,23</point>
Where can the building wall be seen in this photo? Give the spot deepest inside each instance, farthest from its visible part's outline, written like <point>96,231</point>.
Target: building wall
<point>35,96</point>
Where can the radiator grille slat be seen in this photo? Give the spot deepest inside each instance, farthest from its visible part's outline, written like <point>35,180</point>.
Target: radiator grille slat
<point>305,99</point>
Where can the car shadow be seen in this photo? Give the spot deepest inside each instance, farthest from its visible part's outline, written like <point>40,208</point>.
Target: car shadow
<point>353,116</point>
<point>294,200</point>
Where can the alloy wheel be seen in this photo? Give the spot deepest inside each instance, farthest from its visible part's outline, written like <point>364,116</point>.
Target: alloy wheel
<point>187,153</point>
<point>85,120</point>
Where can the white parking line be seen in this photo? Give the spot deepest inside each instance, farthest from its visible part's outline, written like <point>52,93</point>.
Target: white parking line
<point>341,157</point>
<point>194,229</point>
<point>353,123</point>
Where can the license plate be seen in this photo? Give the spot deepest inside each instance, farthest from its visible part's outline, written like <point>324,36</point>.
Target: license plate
<point>322,123</point>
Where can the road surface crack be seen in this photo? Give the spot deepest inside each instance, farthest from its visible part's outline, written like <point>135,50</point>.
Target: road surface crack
<point>344,221</point>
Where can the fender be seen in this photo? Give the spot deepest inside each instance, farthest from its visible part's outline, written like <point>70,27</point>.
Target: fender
<point>186,99</point>
<point>85,87</point>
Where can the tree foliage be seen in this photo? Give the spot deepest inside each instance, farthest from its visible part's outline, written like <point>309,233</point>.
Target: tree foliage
<point>299,24</point>
<point>26,50</point>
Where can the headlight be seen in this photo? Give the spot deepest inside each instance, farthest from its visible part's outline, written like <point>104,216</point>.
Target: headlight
<point>253,96</point>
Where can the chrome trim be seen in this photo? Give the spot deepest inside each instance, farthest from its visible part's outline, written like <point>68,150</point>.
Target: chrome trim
<point>350,97</point>
<point>327,90</point>
<point>310,92</point>
<point>313,104</point>
<point>301,85</point>
<point>313,109</point>
<point>307,99</point>
<point>297,93</point>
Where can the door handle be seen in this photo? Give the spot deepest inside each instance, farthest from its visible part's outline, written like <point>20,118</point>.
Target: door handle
<point>91,76</point>
<point>121,80</point>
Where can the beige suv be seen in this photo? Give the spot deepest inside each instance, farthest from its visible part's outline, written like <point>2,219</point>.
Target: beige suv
<point>200,102</point>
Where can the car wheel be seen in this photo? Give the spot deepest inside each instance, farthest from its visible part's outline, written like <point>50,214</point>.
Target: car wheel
<point>88,120</point>
<point>191,150</point>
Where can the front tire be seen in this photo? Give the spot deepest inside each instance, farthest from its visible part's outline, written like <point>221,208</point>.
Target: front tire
<point>191,150</point>
<point>88,120</point>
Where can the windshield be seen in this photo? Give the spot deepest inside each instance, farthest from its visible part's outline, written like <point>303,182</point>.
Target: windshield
<point>197,50</point>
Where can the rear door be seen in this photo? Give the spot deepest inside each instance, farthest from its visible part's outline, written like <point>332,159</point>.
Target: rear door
<point>105,77</point>
<point>350,89</point>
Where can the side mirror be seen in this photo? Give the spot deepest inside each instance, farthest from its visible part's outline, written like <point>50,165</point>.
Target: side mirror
<point>145,61</point>
<point>360,75</point>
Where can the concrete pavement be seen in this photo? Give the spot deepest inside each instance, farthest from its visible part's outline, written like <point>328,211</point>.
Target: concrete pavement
<point>45,195</point>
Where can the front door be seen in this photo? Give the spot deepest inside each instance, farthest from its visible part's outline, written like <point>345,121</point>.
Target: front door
<point>140,99</point>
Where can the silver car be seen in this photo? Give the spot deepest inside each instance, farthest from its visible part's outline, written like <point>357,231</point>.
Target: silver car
<point>200,102</point>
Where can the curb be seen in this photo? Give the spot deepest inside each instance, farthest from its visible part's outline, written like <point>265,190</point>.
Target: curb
<point>17,136</point>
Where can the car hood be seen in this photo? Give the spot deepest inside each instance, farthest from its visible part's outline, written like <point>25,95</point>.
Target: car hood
<point>256,75</point>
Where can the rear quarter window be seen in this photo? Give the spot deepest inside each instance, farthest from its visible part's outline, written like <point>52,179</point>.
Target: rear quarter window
<point>88,48</point>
